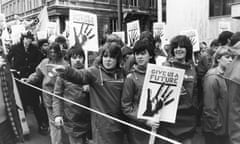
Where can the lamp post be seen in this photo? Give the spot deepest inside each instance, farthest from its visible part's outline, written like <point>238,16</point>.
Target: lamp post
<point>119,15</point>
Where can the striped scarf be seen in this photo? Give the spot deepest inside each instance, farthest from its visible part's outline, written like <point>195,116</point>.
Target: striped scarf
<point>9,100</point>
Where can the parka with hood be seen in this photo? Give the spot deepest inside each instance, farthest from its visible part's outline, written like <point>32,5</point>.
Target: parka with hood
<point>215,108</point>
<point>186,121</point>
<point>130,100</point>
<point>105,97</point>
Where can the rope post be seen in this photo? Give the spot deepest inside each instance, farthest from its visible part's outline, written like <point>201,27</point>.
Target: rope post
<point>152,137</point>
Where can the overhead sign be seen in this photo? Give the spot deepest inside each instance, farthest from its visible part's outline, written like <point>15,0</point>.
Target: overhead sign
<point>193,36</point>
<point>133,32</point>
<point>160,93</point>
<point>85,26</point>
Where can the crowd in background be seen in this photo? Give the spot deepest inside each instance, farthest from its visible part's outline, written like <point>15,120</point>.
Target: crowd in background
<point>112,84</point>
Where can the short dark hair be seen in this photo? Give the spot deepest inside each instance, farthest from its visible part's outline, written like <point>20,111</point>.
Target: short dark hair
<point>182,41</point>
<point>42,41</point>
<point>75,51</point>
<point>214,43</point>
<point>234,39</point>
<point>142,45</point>
<point>224,37</point>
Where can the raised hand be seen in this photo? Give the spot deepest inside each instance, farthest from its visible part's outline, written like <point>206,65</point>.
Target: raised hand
<point>85,33</point>
<point>158,101</point>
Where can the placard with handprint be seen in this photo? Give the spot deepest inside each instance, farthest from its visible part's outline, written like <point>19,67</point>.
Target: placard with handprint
<point>160,93</point>
<point>193,36</point>
<point>159,30</point>
<point>84,26</point>
<point>133,32</point>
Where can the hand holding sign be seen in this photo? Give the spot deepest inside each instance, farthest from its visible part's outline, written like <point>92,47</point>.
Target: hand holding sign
<point>157,102</point>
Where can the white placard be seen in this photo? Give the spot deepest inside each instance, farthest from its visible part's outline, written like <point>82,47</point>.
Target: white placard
<point>121,35</point>
<point>224,26</point>
<point>86,28</point>
<point>42,35</point>
<point>160,93</point>
<point>17,30</point>
<point>193,36</point>
<point>159,30</point>
<point>133,32</point>
<point>52,29</point>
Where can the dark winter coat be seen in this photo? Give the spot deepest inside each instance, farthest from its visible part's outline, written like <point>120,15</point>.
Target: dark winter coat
<point>105,95</point>
<point>22,61</point>
<point>130,102</point>
<point>215,106</point>
<point>76,119</point>
<point>233,84</point>
<point>187,108</point>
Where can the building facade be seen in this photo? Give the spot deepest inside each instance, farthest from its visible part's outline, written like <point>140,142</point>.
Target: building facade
<point>203,15</point>
<point>106,10</point>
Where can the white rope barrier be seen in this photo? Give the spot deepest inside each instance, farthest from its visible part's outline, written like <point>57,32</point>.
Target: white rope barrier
<point>102,114</point>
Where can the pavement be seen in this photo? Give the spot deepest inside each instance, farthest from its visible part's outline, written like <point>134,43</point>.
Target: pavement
<point>34,137</point>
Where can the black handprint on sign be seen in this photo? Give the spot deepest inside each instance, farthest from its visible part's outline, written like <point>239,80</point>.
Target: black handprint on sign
<point>193,40</point>
<point>133,37</point>
<point>157,102</point>
<point>85,33</point>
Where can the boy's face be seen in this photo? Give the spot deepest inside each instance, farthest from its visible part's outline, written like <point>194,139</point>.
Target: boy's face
<point>77,61</point>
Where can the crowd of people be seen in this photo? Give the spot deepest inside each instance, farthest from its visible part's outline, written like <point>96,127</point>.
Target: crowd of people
<point>112,84</point>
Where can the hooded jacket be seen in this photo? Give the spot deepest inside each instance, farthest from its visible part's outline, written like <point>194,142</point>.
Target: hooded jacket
<point>187,107</point>
<point>105,95</point>
<point>42,74</point>
<point>215,106</point>
<point>130,103</point>
<point>76,119</point>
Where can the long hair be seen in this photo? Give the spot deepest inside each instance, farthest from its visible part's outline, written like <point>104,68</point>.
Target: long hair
<point>75,51</point>
<point>56,47</point>
<point>185,42</point>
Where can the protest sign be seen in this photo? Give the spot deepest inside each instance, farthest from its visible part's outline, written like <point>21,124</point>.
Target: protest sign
<point>84,24</point>
<point>193,36</point>
<point>41,35</point>
<point>51,29</point>
<point>224,26</point>
<point>159,30</point>
<point>160,93</point>
<point>121,35</point>
<point>133,32</point>
<point>17,30</point>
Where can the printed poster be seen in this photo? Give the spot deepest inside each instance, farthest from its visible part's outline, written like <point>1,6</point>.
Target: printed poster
<point>133,32</point>
<point>193,36</point>
<point>159,30</point>
<point>84,26</point>
<point>160,93</point>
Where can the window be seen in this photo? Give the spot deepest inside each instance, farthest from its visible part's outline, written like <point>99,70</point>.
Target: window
<point>153,3</point>
<point>113,24</point>
<point>133,3</point>
<point>220,7</point>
